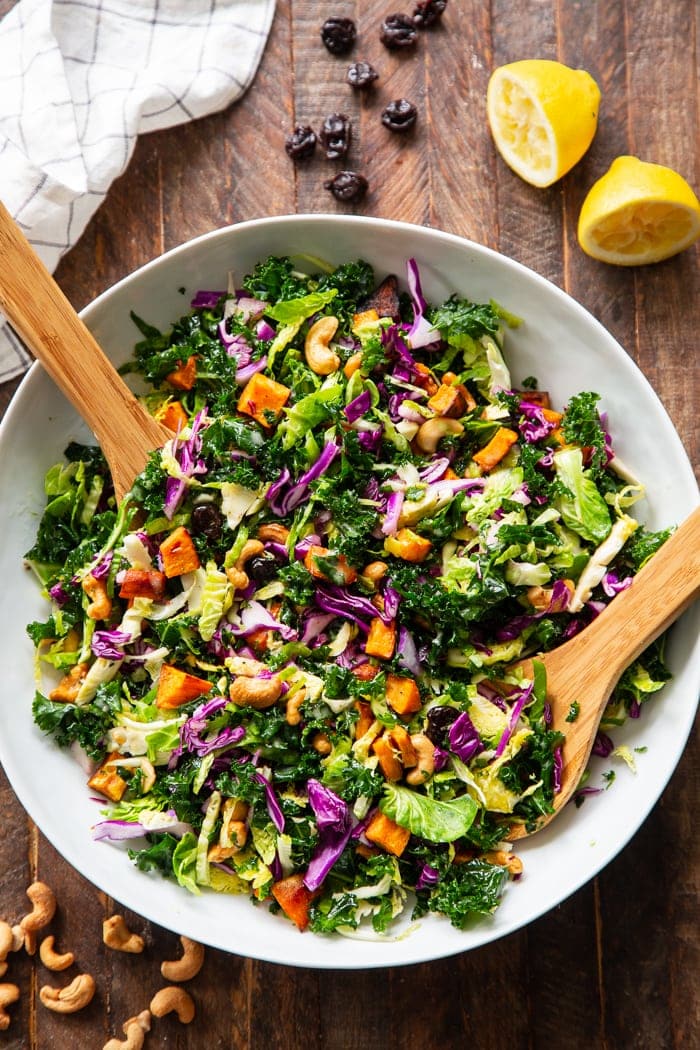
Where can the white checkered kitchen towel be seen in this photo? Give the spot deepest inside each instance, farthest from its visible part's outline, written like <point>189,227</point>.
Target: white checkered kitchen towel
<point>80,79</point>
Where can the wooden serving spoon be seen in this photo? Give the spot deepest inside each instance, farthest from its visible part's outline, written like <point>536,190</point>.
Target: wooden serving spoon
<point>42,316</point>
<point>586,668</point>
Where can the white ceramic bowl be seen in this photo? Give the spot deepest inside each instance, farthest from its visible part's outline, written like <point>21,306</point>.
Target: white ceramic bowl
<point>560,343</point>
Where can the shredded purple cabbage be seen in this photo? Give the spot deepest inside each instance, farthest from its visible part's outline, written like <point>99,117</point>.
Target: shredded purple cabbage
<point>108,644</point>
<point>334,823</point>
<point>464,740</point>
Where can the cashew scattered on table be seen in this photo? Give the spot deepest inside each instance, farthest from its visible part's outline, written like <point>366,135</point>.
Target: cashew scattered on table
<point>135,1030</point>
<point>430,433</point>
<point>51,959</point>
<point>75,996</point>
<point>319,356</point>
<point>425,751</point>
<point>173,1000</point>
<point>9,993</point>
<point>188,965</point>
<point>255,692</point>
<point>7,940</point>
<point>116,934</point>
<point>43,910</point>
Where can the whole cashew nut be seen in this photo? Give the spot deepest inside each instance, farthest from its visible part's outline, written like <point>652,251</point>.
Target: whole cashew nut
<point>9,993</point>
<point>7,940</point>
<point>51,958</point>
<point>274,531</point>
<point>188,965</point>
<point>236,573</point>
<point>116,934</point>
<point>425,751</point>
<point>75,996</point>
<point>319,356</point>
<point>255,692</point>
<point>172,999</point>
<point>135,1030</point>
<point>430,432</point>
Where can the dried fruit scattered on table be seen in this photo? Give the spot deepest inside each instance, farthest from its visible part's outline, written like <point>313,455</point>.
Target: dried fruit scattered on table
<point>428,12</point>
<point>398,31</point>
<point>338,34</point>
<point>347,186</point>
<point>399,115</point>
<point>336,134</point>
<point>362,75</point>
<point>301,143</point>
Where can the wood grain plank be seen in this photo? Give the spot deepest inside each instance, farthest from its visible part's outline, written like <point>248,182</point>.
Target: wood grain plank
<point>530,220</point>
<point>462,156</point>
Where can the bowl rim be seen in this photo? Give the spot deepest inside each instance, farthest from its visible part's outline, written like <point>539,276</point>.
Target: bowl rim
<point>670,433</point>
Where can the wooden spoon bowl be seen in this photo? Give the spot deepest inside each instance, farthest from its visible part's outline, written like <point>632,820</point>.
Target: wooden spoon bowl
<point>586,669</point>
<point>44,319</point>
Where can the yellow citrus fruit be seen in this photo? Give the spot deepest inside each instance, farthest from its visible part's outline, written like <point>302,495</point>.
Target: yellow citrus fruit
<point>543,116</point>
<point>638,213</point>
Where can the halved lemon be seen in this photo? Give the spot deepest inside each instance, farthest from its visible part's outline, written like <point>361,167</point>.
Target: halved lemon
<point>543,116</point>
<point>638,213</point>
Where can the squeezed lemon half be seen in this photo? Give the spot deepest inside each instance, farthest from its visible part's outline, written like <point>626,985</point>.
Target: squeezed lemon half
<point>543,116</point>
<point>638,213</point>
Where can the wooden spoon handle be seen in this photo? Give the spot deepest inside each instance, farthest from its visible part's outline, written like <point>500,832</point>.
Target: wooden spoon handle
<point>659,593</point>
<point>42,316</point>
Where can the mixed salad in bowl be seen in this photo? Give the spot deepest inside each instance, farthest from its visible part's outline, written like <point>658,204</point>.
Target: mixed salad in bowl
<point>293,660</point>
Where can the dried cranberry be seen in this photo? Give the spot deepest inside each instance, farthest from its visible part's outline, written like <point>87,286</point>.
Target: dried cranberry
<point>429,12</point>
<point>398,31</point>
<point>261,568</point>
<point>399,115</point>
<point>439,721</point>
<point>362,75</point>
<point>301,143</point>
<point>338,34</point>
<point>207,521</point>
<point>335,135</point>
<point>347,186</point>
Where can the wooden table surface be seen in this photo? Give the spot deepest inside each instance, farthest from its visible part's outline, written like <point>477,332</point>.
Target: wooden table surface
<point>616,965</point>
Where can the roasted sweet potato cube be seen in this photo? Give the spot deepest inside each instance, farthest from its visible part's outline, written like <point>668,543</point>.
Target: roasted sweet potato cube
<point>176,687</point>
<point>387,834</point>
<point>143,583</point>
<point>535,397</point>
<point>402,695</point>
<point>425,379</point>
<point>68,688</point>
<point>352,364</point>
<point>388,760</point>
<point>448,401</point>
<point>365,718</point>
<point>364,317</point>
<point>365,672</point>
<point>408,545</point>
<point>263,399</point>
<point>178,553</point>
<point>381,640</point>
<point>403,744</point>
<point>551,416</point>
<point>491,454</point>
<point>174,416</point>
<point>341,564</point>
<point>294,899</point>
<point>184,376</point>
<point>107,781</point>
